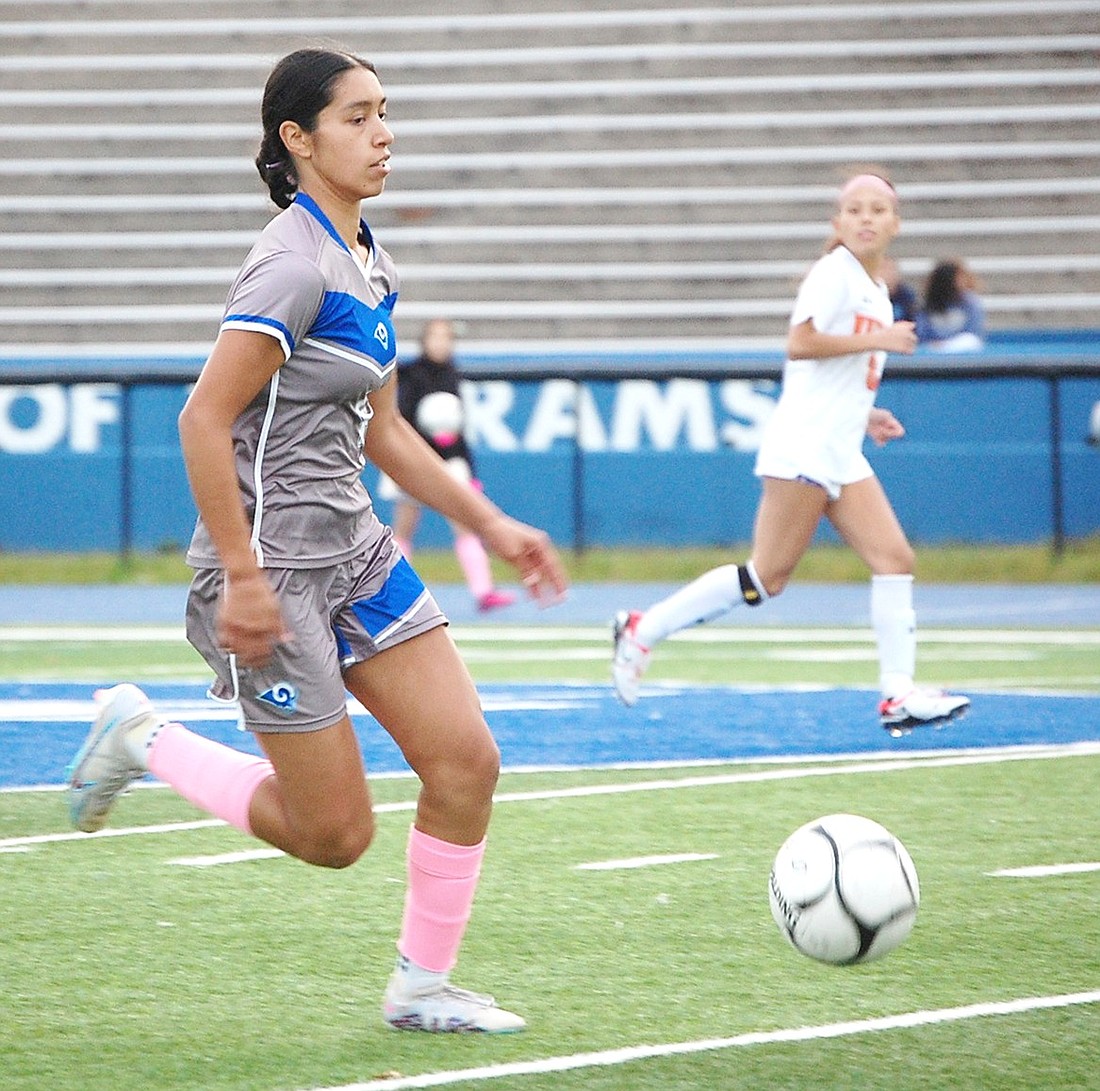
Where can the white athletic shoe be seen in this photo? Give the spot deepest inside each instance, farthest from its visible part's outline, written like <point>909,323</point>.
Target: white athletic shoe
<point>446,1009</point>
<point>921,708</point>
<point>630,659</point>
<point>103,768</point>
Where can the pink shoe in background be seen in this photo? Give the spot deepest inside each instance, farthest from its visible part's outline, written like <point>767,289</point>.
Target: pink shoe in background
<point>491,600</point>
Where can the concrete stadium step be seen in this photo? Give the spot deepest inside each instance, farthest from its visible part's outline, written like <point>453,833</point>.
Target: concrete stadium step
<point>207,26</point>
<point>416,109</point>
<point>716,166</point>
<point>240,76</point>
<point>197,324</point>
<point>21,288</point>
<point>550,135</point>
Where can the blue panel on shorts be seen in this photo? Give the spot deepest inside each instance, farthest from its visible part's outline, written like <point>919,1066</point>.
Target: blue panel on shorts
<point>392,601</point>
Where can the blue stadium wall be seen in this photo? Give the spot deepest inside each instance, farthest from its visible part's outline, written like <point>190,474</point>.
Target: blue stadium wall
<point>658,463</point>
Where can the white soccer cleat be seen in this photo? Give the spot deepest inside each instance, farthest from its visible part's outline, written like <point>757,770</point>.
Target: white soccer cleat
<point>446,1009</point>
<point>630,659</point>
<point>921,708</point>
<point>103,767</point>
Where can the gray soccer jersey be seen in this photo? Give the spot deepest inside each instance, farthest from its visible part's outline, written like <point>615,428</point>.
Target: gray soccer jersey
<point>299,444</point>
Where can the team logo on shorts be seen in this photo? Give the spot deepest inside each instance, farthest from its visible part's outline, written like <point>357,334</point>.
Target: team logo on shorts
<point>283,697</point>
<point>382,335</point>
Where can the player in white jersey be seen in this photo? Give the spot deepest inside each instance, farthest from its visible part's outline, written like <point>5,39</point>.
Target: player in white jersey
<point>811,465</point>
<point>300,593</point>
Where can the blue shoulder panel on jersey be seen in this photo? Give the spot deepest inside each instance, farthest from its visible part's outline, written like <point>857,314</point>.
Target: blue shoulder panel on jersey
<point>346,321</point>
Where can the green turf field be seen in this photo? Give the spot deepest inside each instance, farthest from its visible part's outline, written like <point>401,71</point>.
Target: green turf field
<point>125,968</point>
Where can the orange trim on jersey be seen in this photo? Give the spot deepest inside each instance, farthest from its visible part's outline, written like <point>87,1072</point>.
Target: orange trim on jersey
<point>866,323</point>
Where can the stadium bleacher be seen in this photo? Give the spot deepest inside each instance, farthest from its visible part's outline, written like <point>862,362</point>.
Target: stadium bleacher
<point>572,175</point>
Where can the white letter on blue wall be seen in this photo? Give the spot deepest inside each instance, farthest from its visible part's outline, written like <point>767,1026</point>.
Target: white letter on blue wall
<point>555,416</point>
<point>683,406</point>
<point>486,404</point>
<point>25,434</point>
<point>751,407</point>
<point>92,405</point>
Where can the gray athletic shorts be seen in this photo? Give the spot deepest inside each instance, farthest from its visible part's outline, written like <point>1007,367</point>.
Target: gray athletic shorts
<point>340,616</point>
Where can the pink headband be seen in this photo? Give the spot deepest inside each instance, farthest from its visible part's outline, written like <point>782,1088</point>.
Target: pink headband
<point>869,181</point>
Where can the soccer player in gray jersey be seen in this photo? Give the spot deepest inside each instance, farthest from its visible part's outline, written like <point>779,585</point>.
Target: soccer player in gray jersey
<point>299,592</point>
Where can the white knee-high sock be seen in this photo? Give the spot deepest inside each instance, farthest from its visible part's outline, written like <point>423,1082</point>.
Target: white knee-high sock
<point>895,625</point>
<point>710,596</point>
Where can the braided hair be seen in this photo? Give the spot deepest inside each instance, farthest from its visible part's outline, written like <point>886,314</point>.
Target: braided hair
<point>299,88</point>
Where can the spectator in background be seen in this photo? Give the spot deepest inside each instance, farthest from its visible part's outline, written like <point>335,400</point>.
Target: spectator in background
<point>951,317</point>
<point>428,398</point>
<point>902,296</point>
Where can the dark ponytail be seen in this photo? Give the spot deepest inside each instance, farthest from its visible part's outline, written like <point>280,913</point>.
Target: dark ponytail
<point>298,89</point>
<point>941,291</point>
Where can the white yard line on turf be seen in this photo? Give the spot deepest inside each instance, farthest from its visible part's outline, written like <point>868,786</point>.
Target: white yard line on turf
<point>1043,871</point>
<point>647,861</point>
<point>481,634</point>
<point>875,763</point>
<point>610,1057</point>
<point>97,634</point>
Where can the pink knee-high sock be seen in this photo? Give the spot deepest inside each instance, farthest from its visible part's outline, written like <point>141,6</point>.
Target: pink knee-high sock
<point>216,778</point>
<point>475,564</point>
<point>442,879</point>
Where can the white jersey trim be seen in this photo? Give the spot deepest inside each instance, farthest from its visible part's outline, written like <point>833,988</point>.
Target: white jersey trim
<point>260,327</point>
<point>257,470</point>
<point>363,361</point>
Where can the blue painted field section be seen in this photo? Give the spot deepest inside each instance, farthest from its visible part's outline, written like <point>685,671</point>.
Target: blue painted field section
<point>42,725</point>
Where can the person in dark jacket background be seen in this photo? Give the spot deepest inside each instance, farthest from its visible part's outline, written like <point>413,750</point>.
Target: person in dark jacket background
<point>429,398</point>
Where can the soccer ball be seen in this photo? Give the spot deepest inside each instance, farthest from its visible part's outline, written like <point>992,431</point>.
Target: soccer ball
<point>439,415</point>
<point>843,889</point>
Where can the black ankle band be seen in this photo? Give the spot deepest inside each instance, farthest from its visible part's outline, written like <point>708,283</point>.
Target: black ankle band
<point>750,592</point>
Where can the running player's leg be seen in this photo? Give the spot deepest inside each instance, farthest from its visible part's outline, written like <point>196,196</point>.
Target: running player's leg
<point>865,519</point>
<point>317,806</point>
<point>470,551</point>
<point>786,519</point>
<point>422,695</point>
<point>406,521</point>
<point>309,797</point>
